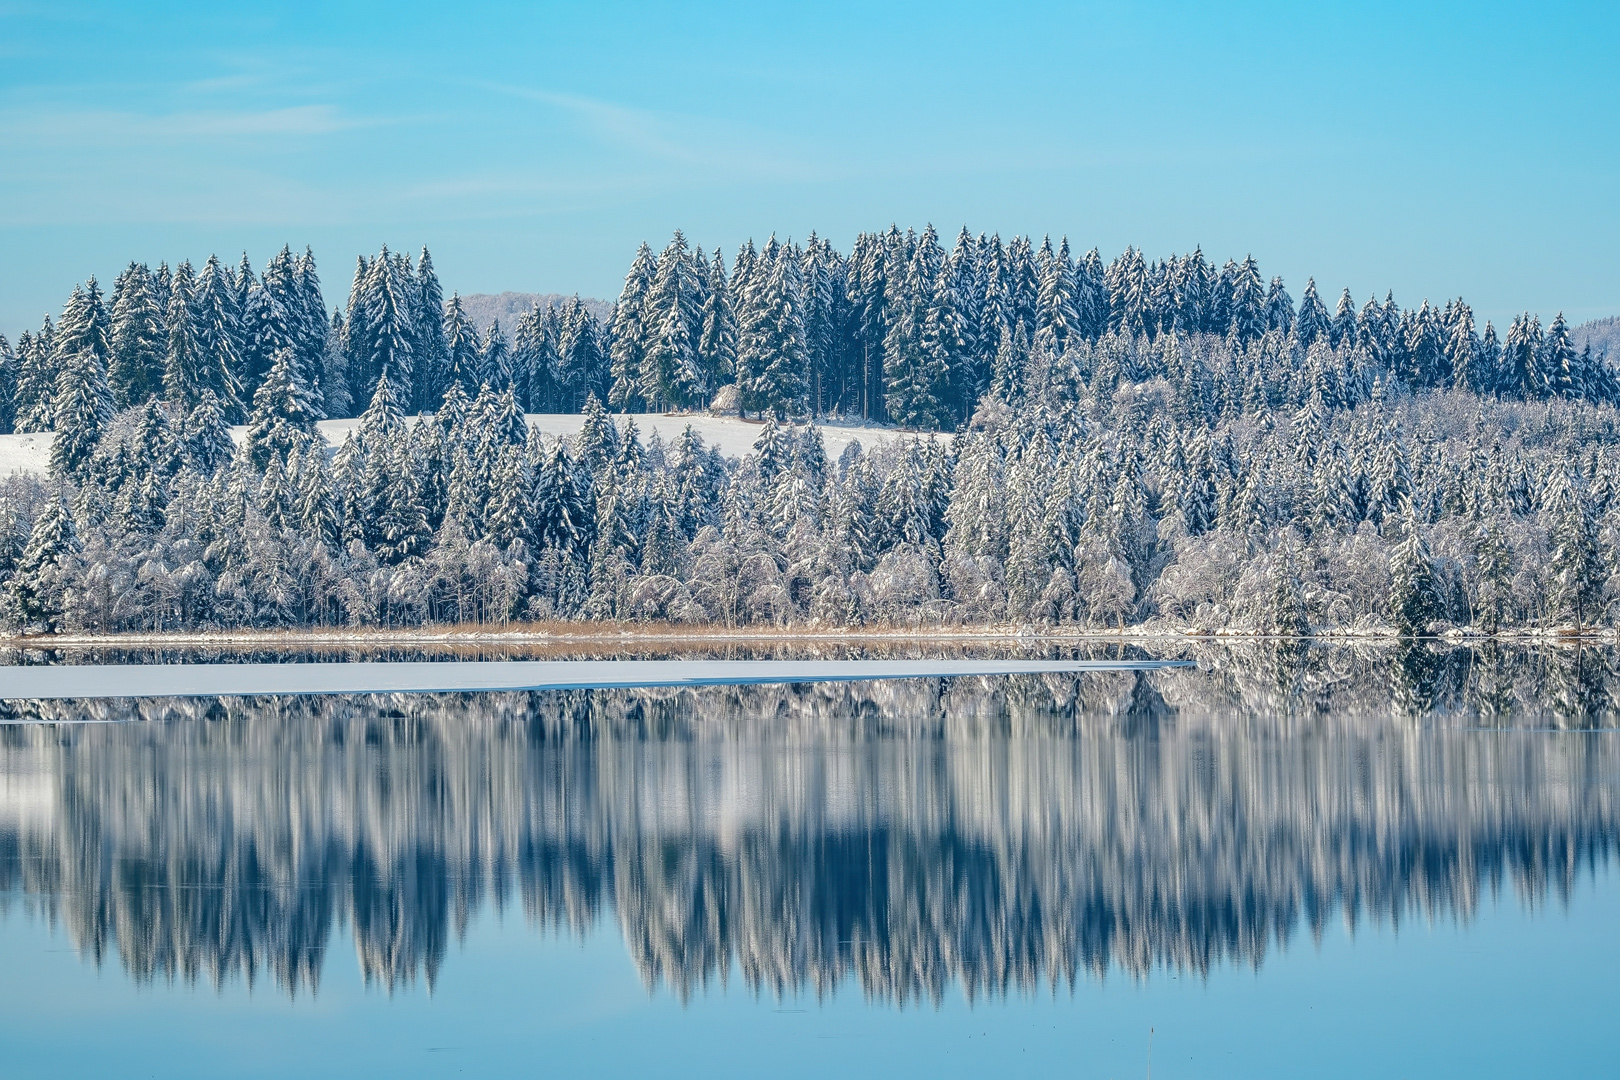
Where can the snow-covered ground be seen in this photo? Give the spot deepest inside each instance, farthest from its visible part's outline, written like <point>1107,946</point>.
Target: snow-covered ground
<point>734,437</point>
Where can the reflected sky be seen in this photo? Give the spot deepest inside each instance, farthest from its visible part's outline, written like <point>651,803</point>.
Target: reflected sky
<point>862,871</point>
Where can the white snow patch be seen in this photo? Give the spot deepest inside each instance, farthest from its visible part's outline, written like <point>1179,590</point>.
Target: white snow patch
<point>25,453</point>
<point>735,437</point>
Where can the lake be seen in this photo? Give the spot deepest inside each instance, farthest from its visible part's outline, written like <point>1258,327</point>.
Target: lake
<point>1326,861</point>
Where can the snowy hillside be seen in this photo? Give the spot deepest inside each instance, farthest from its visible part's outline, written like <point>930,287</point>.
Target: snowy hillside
<point>31,454</point>
<point>1603,335</point>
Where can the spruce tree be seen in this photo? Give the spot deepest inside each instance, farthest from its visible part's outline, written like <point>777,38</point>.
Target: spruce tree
<point>461,347</point>
<point>205,437</point>
<point>672,324</point>
<point>43,572</point>
<point>1313,321</point>
<point>431,348</point>
<point>137,342</point>
<point>36,379</point>
<point>1575,580</point>
<point>495,359</point>
<point>630,331</point>
<point>770,353</point>
<point>1414,601</point>
<point>216,306</point>
<point>283,419</point>
<point>82,410</point>
<point>8,388</point>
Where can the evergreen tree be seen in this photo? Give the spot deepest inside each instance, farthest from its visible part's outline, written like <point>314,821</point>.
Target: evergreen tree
<point>1560,362</point>
<point>283,420</point>
<point>36,379</point>
<point>431,348</point>
<point>381,334</point>
<point>8,391</point>
<point>44,572</point>
<point>137,342</point>
<point>1414,601</point>
<point>205,438</point>
<point>672,323</point>
<point>81,412</point>
<point>384,416</point>
<point>1575,581</point>
<point>1056,313</point>
<point>770,353</point>
<point>630,331</point>
<point>461,347</point>
<point>1246,309</point>
<point>1313,322</point>
<point>717,344</point>
<point>217,310</point>
<point>495,359</point>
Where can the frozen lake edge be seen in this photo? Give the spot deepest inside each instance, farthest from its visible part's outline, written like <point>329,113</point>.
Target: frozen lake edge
<point>86,681</point>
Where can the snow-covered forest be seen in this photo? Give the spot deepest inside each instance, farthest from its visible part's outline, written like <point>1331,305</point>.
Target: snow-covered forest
<point>1166,444</point>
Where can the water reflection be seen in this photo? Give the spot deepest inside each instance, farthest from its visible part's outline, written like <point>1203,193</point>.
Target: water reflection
<point>1000,834</point>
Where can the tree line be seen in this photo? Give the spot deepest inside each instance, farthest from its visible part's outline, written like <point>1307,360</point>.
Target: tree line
<point>1164,444</point>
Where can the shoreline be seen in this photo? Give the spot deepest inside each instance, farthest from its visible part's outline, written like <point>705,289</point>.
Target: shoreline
<point>611,634</point>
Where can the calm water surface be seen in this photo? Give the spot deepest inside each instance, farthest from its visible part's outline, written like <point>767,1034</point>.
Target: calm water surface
<point>1335,862</point>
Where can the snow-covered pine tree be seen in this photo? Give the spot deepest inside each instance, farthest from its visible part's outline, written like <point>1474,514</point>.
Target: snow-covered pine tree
<point>563,516</point>
<point>461,347</point>
<point>1313,321</point>
<point>495,359</point>
<point>220,344</point>
<point>534,359</point>
<point>631,331</point>
<point>205,438</point>
<point>717,343</point>
<point>1344,321</point>
<point>135,370</point>
<point>84,327</point>
<point>396,528</point>
<point>672,323</point>
<point>381,334</point>
<point>384,416</point>
<point>1279,308</point>
<point>270,323</point>
<point>283,418</point>
<point>1414,601</point>
<point>36,379</point>
<point>81,412</point>
<point>1056,314</point>
<point>1522,372</point>
<point>1562,363</point>
<point>770,352</point>
<point>1246,308</point>
<point>1575,571</point>
<point>866,293</point>
<point>583,372</point>
<point>431,349</point>
<point>44,572</point>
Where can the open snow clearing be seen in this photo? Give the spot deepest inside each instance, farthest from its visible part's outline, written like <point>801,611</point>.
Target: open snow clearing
<point>733,436</point>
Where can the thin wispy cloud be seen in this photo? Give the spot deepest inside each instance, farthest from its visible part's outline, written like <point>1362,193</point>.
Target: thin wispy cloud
<point>61,126</point>
<point>673,138</point>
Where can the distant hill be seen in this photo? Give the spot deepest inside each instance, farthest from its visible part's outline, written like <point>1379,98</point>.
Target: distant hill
<point>509,307</point>
<point>1602,334</point>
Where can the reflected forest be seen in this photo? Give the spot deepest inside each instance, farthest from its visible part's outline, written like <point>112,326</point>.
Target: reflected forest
<point>904,840</point>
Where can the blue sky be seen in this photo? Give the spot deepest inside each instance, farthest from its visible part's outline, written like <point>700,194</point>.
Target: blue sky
<point>1433,149</point>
